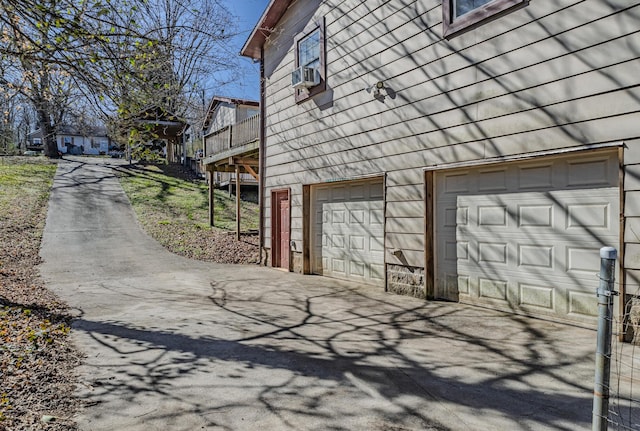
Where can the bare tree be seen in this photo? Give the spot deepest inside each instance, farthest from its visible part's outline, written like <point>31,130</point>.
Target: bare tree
<point>190,46</point>
<point>44,43</point>
<point>122,55</point>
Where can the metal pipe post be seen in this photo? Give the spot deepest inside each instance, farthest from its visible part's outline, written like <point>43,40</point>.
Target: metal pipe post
<point>605,293</point>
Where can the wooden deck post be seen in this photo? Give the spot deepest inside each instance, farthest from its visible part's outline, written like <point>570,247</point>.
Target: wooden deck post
<point>211,197</point>
<point>238,202</point>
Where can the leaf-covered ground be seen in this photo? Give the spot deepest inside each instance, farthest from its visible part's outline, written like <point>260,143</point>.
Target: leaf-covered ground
<point>36,357</point>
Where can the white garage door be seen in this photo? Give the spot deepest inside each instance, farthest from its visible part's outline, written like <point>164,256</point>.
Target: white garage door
<point>347,222</point>
<point>526,236</point>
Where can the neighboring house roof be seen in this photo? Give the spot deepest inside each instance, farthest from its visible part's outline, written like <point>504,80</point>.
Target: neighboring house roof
<point>216,100</point>
<point>69,130</point>
<point>83,131</point>
<point>275,10</point>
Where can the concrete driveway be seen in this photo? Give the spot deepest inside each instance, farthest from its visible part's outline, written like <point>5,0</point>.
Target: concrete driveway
<point>175,344</point>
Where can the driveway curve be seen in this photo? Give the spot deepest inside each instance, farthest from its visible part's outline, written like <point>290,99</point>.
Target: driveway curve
<point>176,344</point>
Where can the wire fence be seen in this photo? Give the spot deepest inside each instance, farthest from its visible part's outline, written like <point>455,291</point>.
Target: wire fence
<point>624,388</point>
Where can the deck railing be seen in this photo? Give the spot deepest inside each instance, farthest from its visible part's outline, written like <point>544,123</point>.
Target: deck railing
<point>228,177</point>
<point>217,142</point>
<point>245,131</point>
<point>236,135</point>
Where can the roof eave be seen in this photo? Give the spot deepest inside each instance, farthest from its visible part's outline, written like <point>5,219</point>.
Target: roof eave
<point>252,48</point>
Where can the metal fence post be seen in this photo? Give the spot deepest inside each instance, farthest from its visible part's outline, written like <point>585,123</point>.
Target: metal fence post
<point>605,293</point>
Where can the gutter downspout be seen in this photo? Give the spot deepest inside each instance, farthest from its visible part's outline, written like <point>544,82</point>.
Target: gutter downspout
<point>261,155</point>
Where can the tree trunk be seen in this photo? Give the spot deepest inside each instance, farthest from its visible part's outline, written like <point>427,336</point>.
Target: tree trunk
<point>50,144</point>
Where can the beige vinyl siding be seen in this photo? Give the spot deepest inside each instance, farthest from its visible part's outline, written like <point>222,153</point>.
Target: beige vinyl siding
<point>243,112</point>
<point>450,119</point>
<point>527,56</point>
<point>223,116</point>
<point>632,217</point>
<point>552,75</point>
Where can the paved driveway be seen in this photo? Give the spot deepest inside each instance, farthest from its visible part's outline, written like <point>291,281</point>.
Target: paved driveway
<point>174,344</point>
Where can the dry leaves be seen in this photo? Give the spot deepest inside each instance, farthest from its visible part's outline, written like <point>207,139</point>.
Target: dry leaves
<point>36,357</point>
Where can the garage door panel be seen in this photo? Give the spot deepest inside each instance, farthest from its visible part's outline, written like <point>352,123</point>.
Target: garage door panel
<point>337,241</point>
<point>582,260</point>
<point>492,215</point>
<point>494,180</point>
<point>582,304</point>
<point>535,256</point>
<point>493,289</point>
<point>338,266</point>
<point>536,176</point>
<point>534,296</point>
<point>534,217</point>
<point>597,171</point>
<point>538,299</point>
<point>491,252</point>
<point>526,236</point>
<point>535,260</point>
<point>351,226</point>
<point>377,272</point>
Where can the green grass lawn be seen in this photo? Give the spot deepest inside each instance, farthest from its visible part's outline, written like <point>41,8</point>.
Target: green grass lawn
<point>25,183</point>
<point>174,211</point>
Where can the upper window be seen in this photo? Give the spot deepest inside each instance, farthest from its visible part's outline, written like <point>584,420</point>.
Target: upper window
<point>309,50</point>
<point>463,15</point>
<point>310,54</point>
<point>465,6</point>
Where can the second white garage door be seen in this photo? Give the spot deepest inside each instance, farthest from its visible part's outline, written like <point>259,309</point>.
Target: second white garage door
<point>347,231</point>
<point>526,236</point>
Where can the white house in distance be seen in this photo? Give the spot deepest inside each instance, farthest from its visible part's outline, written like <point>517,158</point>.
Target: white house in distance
<point>73,140</point>
<point>476,151</point>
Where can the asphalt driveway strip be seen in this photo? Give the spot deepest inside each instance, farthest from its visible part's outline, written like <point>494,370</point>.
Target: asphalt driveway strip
<point>176,344</point>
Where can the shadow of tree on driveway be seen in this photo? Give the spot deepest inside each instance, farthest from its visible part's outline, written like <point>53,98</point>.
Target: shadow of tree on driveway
<point>431,366</point>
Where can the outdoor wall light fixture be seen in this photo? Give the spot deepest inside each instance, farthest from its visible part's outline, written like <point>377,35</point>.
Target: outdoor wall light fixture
<point>376,88</point>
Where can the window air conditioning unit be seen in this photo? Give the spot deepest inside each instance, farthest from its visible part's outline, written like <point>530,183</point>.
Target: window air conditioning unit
<point>305,77</point>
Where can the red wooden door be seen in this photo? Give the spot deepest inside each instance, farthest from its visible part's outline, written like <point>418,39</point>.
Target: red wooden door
<point>284,232</point>
<point>281,229</point>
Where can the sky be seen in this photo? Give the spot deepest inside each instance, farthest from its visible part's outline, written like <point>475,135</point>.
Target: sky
<point>246,84</point>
